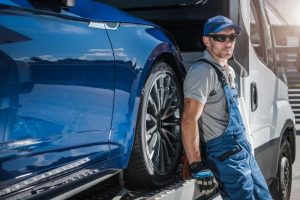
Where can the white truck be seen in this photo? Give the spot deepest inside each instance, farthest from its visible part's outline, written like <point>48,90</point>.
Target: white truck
<point>264,101</point>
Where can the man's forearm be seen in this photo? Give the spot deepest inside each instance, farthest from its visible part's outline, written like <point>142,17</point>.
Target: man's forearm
<point>190,139</point>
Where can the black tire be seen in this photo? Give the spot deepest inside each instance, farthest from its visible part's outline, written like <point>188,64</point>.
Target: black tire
<point>157,145</point>
<point>284,172</point>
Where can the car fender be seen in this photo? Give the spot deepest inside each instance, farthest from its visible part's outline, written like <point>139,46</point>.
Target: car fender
<point>135,69</point>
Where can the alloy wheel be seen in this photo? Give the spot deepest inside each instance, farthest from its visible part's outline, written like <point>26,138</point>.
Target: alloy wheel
<point>163,124</point>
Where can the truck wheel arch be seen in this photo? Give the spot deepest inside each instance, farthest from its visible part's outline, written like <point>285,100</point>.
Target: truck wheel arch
<point>289,132</point>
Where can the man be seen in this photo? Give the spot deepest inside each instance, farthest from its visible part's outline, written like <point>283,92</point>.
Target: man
<point>211,100</point>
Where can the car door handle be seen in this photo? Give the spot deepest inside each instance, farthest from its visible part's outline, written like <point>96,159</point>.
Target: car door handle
<point>254,97</point>
<point>104,25</point>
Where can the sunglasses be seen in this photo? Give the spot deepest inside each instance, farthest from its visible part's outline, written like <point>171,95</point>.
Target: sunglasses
<point>223,37</point>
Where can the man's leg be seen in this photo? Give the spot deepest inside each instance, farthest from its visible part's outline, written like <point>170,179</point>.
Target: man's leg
<point>260,188</point>
<point>235,175</point>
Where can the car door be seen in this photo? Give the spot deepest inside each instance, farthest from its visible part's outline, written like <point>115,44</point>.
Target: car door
<point>57,92</point>
<point>262,90</point>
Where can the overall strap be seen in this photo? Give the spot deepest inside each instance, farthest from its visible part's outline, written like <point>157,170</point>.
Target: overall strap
<point>220,74</point>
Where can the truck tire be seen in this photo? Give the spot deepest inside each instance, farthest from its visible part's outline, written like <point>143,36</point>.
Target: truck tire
<point>284,173</point>
<point>157,145</point>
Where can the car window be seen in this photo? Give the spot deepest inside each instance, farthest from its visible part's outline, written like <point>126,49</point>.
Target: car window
<point>255,34</point>
<point>269,45</point>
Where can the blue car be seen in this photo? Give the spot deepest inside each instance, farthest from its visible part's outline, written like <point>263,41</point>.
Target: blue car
<point>86,91</point>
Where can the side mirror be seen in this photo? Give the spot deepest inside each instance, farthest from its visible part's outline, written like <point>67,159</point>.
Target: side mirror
<point>69,3</point>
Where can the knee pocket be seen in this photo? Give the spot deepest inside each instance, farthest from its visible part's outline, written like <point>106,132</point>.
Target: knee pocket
<point>234,153</point>
<point>240,157</point>
<point>233,159</point>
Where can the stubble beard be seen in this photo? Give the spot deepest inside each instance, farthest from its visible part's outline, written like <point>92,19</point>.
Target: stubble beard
<point>225,53</point>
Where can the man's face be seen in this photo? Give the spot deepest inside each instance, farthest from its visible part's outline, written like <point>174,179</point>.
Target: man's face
<point>223,50</point>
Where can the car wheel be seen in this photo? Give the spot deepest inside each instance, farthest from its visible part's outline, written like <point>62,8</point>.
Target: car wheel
<point>157,145</point>
<point>284,173</point>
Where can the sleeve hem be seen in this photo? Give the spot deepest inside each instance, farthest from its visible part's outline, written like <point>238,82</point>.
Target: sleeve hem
<point>195,97</point>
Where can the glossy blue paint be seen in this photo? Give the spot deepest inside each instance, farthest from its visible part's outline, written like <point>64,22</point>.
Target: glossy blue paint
<point>9,3</point>
<point>59,93</point>
<point>70,92</point>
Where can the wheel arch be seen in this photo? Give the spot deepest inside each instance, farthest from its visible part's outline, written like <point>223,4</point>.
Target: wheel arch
<point>289,132</point>
<point>175,64</point>
<point>138,159</point>
<point>170,57</point>
<point>163,52</point>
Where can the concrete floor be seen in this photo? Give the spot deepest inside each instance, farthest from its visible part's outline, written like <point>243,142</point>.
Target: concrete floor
<point>295,195</point>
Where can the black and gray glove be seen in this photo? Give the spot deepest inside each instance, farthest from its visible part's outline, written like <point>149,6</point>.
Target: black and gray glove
<point>204,177</point>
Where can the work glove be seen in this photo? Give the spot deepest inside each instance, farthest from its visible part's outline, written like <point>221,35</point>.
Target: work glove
<point>204,177</point>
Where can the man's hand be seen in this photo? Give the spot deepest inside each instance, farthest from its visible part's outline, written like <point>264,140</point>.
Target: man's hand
<point>204,177</point>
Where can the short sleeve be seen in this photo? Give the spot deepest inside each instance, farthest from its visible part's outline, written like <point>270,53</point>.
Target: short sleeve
<point>198,83</point>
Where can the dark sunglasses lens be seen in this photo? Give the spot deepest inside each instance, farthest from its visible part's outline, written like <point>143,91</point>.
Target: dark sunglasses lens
<point>232,37</point>
<point>222,38</point>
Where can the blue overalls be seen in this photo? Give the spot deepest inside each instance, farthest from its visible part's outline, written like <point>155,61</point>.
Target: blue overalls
<point>229,156</point>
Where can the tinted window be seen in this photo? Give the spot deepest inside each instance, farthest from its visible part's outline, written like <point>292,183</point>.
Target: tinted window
<point>268,38</point>
<point>255,34</point>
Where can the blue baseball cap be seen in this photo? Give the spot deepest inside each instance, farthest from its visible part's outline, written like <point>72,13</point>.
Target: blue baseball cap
<point>219,23</point>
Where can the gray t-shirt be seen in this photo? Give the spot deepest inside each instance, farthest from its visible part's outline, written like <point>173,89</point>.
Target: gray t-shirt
<point>200,82</point>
